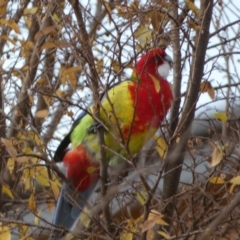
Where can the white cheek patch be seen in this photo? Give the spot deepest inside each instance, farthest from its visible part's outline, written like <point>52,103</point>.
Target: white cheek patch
<point>164,69</point>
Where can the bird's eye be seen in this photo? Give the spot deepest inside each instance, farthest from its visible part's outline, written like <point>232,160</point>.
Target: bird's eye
<point>158,59</point>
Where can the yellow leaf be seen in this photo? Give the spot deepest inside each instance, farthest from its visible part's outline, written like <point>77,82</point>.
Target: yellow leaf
<point>192,6</point>
<point>42,113</point>
<point>216,180</point>
<point>57,44</point>
<point>160,221</point>
<point>115,66</point>
<point>11,165</point>
<point>161,146</point>
<point>23,229</point>
<point>27,150</point>
<point>55,190</point>
<point>37,217</point>
<point>142,197</point>
<point>6,190</point>
<point>11,24</point>
<point>24,159</point>
<point>30,11</point>
<point>9,147</point>
<point>235,181</point>
<point>165,235</point>
<point>156,83</point>
<point>41,175</point>
<point>4,232</point>
<point>143,34</point>
<point>85,217</point>
<point>126,236</point>
<point>91,169</point>
<point>26,177</point>
<point>32,203</point>
<point>221,116</point>
<point>34,137</point>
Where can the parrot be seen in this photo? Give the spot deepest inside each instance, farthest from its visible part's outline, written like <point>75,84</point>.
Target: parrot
<point>130,114</point>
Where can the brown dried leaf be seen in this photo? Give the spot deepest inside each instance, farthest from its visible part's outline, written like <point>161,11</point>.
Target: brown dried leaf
<point>99,65</point>
<point>199,141</point>
<point>109,10</point>
<point>192,24</point>
<point>9,147</point>
<point>57,44</point>
<point>23,159</point>
<point>3,6</point>
<point>192,6</point>
<point>147,225</point>
<point>207,87</point>
<point>156,20</point>
<point>44,32</point>
<point>7,38</point>
<point>11,24</point>
<point>42,113</point>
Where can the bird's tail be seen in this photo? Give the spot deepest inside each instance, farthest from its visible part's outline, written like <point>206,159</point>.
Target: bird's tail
<point>83,173</point>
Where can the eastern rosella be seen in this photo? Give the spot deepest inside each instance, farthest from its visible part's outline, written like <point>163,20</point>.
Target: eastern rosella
<point>132,112</point>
